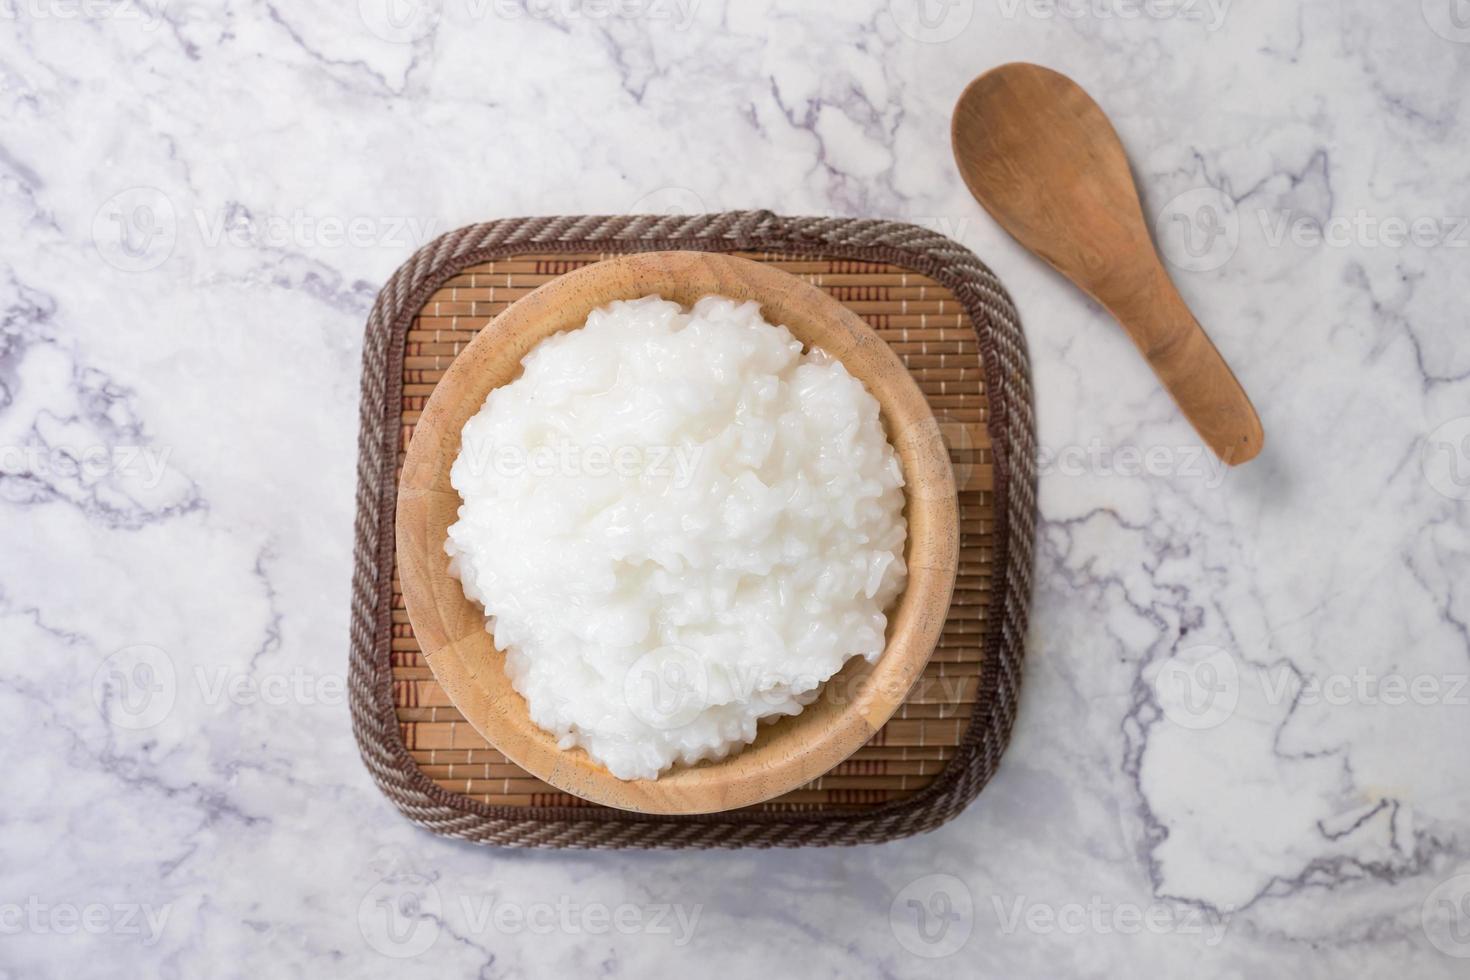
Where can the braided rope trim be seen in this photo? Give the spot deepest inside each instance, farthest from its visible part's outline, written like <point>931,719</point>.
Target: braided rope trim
<point>1013,436</point>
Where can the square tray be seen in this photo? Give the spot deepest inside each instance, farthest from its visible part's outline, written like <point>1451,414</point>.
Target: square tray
<point>948,319</point>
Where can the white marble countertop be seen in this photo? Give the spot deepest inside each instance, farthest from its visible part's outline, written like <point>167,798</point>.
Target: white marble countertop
<point>1241,746</point>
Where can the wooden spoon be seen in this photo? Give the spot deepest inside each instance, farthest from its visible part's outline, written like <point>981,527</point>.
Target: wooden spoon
<point>1043,159</point>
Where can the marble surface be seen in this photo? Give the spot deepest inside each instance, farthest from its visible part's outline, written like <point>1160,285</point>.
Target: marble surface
<point>1241,746</point>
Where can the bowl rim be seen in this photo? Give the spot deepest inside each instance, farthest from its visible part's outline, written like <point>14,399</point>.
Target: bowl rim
<point>451,628</point>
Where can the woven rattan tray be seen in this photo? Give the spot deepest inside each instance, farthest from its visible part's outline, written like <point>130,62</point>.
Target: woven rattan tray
<point>951,323</point>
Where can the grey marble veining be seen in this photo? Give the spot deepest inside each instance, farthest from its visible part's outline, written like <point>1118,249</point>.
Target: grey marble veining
<point>1241,747</point>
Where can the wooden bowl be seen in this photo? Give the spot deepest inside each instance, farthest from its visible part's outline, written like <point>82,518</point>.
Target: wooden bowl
<point>451,628</point>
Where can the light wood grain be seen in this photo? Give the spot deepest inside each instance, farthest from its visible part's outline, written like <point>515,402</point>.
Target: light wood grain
<point>1043,159</point>
<point>450,629</point>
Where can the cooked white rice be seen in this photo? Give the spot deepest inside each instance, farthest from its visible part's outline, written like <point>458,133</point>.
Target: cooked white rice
<point>679,525</point>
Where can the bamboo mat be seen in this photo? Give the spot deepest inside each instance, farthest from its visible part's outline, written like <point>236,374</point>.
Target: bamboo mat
<point>932,334</point>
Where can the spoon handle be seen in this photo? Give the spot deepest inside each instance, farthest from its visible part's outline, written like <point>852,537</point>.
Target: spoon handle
<point>1190,367</point>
